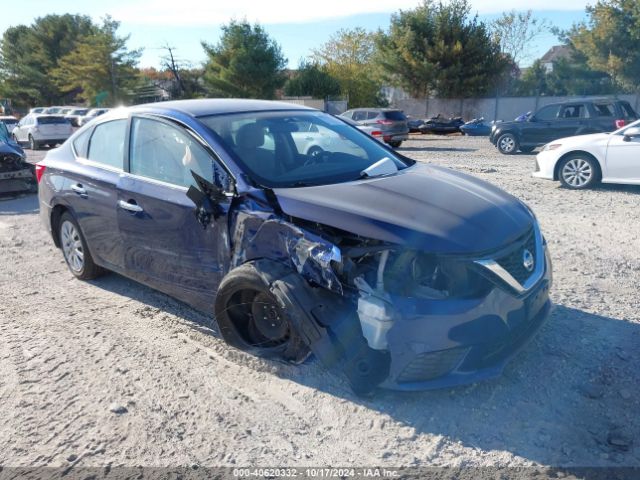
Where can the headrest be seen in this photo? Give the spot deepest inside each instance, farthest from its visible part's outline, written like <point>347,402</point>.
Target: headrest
<point>250,136</point>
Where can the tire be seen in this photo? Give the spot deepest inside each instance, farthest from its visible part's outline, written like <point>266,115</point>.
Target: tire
<point>74,249</point>
<point>251,318</point>
<point>395,144</point>
<point>579,171</point>
<point>527,149</point>
<point>33,145</point>
<point>315,151</point>
<point>507,144</point>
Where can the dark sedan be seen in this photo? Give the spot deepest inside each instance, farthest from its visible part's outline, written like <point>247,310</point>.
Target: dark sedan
<point>396,274</point>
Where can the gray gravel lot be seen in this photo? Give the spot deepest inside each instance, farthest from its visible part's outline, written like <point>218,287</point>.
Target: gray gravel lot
<point>109,372</point>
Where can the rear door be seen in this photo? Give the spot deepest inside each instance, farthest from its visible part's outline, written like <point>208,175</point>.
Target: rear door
<point>90,189</point>
<point>572,120</point>
<point>164,245</point>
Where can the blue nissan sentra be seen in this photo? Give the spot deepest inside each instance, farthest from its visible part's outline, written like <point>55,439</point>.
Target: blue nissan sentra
<point>303,236</point>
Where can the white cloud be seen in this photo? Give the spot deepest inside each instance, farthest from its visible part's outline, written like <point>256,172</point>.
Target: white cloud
<point>212,12</point>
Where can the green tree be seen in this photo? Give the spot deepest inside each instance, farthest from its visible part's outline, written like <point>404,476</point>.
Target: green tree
<point>533,81</point>
<point>28,54</point>
<point>515,32</point>
<point>348,56</point>
<point>311,80</point>
<point>245,63</point>
<point>100,69</point>
<point>609,40</point>
<point>441,48</point>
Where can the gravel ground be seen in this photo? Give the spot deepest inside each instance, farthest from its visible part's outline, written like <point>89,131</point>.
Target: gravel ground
<point>112,373</point>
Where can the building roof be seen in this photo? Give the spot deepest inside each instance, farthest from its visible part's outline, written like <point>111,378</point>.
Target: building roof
<point>555,53</point>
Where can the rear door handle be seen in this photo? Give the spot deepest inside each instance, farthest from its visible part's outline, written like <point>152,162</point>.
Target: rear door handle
<point>131,207</point>
<point>79,189</point>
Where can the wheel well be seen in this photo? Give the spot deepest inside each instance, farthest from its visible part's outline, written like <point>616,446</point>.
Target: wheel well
<point>556,170</point>
<point>56,213</point>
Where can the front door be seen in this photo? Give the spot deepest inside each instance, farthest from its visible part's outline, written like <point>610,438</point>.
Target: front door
<point>623,160</point>
<point>164,245</point>
<point>540,128</point>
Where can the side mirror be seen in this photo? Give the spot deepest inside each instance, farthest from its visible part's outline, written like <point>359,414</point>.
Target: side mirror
<point>629,133</point>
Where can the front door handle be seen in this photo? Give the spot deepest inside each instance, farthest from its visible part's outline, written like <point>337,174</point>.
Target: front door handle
<point>79,189</point>
<point>132,207</point>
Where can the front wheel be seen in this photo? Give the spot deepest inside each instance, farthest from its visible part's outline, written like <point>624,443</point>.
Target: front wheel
<point>251,318</point>
<point>578,172</point>
<point>507,144</point>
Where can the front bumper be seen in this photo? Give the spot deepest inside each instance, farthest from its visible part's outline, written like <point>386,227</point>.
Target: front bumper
<point>446,343</point>
<point>545,165</point>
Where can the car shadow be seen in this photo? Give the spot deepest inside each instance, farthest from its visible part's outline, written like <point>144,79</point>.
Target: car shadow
<point>557,403</point>
<point>436,149</point>
<point>617,187</point>
<point>18,203</point>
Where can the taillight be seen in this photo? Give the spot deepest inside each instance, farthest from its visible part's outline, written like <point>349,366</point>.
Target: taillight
<point>620,123</point>
<point>384,122</point>
<point>39,171</point>
<point>376,133</point>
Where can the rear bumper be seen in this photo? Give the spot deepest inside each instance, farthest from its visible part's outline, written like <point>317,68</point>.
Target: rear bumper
<point>456,342</point>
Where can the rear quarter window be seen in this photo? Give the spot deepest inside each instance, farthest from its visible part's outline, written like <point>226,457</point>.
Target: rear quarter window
<point>604,109</point>
<point>628,112</point>
<point>51,120</point>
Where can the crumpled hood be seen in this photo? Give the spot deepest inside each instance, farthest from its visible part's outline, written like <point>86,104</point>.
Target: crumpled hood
<point>11,148</point>
<point>431,208</point>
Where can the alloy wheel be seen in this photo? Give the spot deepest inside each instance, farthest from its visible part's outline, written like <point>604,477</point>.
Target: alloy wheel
<point>507,144</point>
<point>72,246</point>
<point>577,172</point>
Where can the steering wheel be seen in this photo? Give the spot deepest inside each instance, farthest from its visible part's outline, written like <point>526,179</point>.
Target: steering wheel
<point>316,155</point>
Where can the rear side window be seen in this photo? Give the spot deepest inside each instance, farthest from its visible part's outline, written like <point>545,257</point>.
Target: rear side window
<point>372,115</point>
<point>550,112</point>
<point>359,116</point>
<point>395,115</point>
<point>51,120</point>
<point>167,153</point>
<point>81,142</point>
<point>604,109</point>
<point>627,111</point>
<point>107,143</point>
<point>573,111</point>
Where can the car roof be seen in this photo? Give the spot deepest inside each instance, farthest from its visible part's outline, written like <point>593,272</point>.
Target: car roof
<point>375,109</point>
<point>216,106</point>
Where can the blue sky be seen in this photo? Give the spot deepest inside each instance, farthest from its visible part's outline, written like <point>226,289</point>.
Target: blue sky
<point>297,26</point>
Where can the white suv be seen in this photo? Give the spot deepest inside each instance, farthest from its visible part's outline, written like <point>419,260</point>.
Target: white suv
<point>37,130</point>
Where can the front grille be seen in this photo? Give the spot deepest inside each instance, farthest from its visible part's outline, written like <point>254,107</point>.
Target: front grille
<point>427,366</point>
<point>514,261</point>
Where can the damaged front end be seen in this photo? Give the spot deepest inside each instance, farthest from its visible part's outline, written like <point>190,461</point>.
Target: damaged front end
<point>381,313</point>
<point>16,175</point>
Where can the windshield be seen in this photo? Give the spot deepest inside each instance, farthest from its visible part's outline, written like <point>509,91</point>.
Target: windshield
<point>293,148</point>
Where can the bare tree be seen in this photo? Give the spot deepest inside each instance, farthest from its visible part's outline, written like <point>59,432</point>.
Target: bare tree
<point>171,63</point>
<point>515,31</point>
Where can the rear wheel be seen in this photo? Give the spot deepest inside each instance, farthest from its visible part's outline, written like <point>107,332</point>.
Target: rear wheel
<point>395,144</point>
<point>507,144</point>
<point>74,249</point>
<point>251,319</point>
<point>579,171</point>
<point>33,145</point>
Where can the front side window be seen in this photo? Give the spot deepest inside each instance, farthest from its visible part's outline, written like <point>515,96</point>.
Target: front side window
<point>292,148</point>
<point>549,112</point>
<point>106,145</point>
<point>167,153</point>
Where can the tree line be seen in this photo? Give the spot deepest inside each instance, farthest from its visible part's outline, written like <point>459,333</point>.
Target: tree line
<point>436,49</point>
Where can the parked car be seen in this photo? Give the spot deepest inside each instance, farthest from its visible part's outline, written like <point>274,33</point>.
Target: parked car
<point>10,121</point>
<point>584,161</point>
<point>38,129</point>
<point>16,175</point>
<point>558,120</point>
<point>392,123</point>
<point>368,129</point>
<point>75,114</point>
<point>37,110</point>
<point>397,273</point>
<point>441,125</point>
<point>476,128</point>
<point>53,110</point>
<point>91,115</point>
